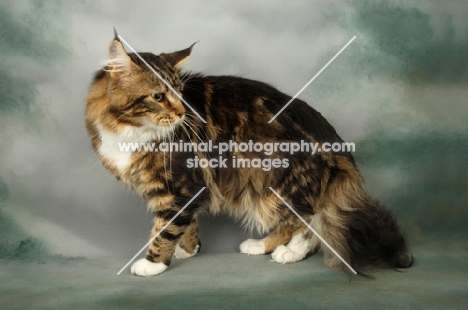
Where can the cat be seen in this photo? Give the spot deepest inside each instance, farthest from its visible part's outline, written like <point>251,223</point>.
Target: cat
<point>128,103</point>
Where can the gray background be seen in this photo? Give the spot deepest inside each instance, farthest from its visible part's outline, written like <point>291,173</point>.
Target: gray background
<point>398,91</point>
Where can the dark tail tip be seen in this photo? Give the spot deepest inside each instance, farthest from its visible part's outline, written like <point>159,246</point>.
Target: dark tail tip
<point>404,261</point>
<point>365,275</point>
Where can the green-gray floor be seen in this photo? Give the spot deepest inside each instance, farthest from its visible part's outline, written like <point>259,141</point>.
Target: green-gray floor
<point>236,281</point>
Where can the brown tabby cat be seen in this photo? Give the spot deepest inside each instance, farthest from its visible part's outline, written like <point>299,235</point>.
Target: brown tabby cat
<point>128,103</point>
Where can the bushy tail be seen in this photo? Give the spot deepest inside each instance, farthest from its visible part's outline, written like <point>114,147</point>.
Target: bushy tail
<point>365,234</point>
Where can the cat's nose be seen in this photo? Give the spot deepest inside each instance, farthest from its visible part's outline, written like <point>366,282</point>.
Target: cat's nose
<point>180,112</point>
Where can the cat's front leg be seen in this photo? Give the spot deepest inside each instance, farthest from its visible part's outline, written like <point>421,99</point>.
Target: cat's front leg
<point>160,251</point>
<point>189,244</point>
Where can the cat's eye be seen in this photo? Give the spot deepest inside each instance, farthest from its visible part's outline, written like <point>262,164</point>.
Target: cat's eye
<point>157,96</point>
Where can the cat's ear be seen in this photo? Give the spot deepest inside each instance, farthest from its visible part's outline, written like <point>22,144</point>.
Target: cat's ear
<point>176,59</point>
<point>119,64</point>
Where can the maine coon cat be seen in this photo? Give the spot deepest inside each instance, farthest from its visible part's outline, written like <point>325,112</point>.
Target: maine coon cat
<point>128,103</point>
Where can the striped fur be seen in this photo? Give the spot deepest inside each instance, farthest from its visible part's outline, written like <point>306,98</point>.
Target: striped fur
<point>128,103</point>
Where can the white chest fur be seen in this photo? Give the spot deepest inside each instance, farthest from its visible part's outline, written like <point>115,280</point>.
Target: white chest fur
<point>119,147</point>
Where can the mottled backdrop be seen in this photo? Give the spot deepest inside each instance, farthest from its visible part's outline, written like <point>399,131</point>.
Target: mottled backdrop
<point>399,91</point>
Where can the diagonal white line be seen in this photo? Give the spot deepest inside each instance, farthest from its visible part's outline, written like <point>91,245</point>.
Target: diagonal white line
<point>313,230</point>
<point>161,78</point>
<point>311,80</point>
<point>159,232</point>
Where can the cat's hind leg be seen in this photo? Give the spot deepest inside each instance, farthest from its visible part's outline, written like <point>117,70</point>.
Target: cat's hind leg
<point>296,250</point>
<point>189,245</point>
<point>281,235</point>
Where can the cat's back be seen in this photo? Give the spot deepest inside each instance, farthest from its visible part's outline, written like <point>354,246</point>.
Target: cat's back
<point>236,100</point>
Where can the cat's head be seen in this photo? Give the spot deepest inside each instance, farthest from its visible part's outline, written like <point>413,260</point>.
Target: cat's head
<point>137,96</point>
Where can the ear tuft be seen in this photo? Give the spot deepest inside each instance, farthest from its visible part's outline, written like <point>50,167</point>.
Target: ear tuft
<point>116,36</point>
<point>176,59</point>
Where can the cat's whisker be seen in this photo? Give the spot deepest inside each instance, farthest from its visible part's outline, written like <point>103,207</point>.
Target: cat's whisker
<point>194,132</point>
<point>191,124</point>
<point>199,139</point>
<point>171,136</point>
<point>186,132</point>
<point>164,164</point>
<point>192,120</point>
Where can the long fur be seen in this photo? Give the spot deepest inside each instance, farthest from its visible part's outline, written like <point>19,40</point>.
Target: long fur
<point>324,188</point>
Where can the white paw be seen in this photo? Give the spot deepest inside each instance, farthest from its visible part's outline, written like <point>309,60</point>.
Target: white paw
<point>145,268</point>
<point>284,255</point>
<point>295,251</point>
<point>180,253</point>
<point>252,247</point>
